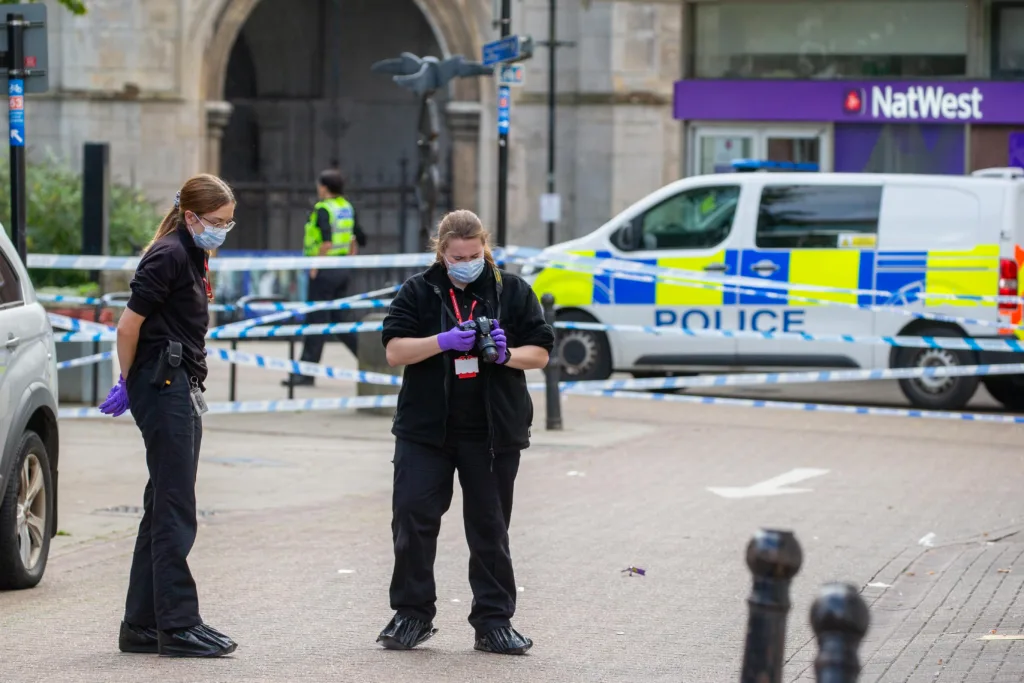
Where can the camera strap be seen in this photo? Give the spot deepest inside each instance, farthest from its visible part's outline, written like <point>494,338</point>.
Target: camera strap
<point>466,366</point>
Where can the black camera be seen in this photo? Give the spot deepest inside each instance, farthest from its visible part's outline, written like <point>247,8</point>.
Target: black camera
<point>485,345</point>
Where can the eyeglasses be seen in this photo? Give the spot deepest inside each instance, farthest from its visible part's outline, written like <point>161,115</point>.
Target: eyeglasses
<point>226,227</point>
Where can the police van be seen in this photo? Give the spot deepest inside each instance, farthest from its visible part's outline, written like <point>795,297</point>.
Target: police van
<point>884,240</point>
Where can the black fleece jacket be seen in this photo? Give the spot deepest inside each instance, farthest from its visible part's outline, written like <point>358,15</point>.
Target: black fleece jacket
<point>422,309</point>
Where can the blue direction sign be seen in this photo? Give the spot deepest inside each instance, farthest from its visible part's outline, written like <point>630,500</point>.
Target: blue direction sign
<point>504,108</point>
<point>504,50</point>
<point>510,49</point>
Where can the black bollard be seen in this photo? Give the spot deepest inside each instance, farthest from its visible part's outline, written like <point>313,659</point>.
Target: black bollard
<point>774,558</point>
<point>840,619</point>
<point>551,373</point>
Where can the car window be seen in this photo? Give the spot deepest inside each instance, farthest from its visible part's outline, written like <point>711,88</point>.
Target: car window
<point>10,285</point>
<point>700,218</point>
<point>816,216</point>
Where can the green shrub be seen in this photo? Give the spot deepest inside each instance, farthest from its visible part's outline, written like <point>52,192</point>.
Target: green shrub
<point>54,217</point>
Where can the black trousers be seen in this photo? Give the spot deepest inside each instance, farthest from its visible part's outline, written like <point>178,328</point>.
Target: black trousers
<point>424,478</point>
<point>161,591</point>
<point>328,285</point>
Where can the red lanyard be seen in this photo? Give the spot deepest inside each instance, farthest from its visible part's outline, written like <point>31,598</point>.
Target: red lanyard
<point>206,280</point>
<point>458,315</point>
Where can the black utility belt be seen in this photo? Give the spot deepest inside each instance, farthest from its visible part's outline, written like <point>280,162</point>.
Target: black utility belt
<point>163,374</point>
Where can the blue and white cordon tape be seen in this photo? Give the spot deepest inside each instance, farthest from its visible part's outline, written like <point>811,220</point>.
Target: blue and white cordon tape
<point>817,377</point>
<point>264,263</point>
<point>805,407</point>
<point>513,254</point>
<point>240,407</point>
<point>956,343</point>
<point>275,331</point>
<point>302,368</point>
<point>789,297</point>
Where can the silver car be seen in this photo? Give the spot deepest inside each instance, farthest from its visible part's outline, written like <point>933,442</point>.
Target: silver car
<point>28,427</point>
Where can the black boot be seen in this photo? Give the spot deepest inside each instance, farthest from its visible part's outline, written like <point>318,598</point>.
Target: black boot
<point>137,639</point>
<point>195,641</point>
<point>297,381</point>
<point>405,633</point>
<point>503,641</point>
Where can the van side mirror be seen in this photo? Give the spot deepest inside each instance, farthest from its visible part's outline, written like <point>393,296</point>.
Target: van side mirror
<point>627,238</point>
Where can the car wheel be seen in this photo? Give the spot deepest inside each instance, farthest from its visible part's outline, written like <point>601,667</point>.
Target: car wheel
<point>25,519</point>
<point>584,355</point>
<point>937,393</point>
<point>1008,390</point>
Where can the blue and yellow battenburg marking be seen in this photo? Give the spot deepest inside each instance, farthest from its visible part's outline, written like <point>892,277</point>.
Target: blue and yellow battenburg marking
<point>905,274</point>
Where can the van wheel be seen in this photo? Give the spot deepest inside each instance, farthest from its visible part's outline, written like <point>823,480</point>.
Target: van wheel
<point>1008,390</point>
<point>583,355</point>
<point>25,519</point>
<point>937,393</point>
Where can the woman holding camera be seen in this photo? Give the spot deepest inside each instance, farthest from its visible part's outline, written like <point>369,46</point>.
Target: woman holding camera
<point>466,331</point>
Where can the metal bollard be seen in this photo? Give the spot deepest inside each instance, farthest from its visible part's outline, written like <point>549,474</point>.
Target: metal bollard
<point>840,618</point>
<point>774,558</point>
<point>241,307</point>
<point>552,371</point>
<point>97,315</point>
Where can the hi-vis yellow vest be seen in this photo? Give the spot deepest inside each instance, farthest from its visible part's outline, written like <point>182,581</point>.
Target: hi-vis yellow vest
<point>343,223</point>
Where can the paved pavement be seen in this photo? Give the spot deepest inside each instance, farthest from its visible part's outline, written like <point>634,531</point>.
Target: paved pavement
<point>293,557</point>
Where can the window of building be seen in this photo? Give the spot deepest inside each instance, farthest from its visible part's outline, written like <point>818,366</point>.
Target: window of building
<point>1008,40</point>
<point>815,216</point>
<point>841,39</point>
<point>700,218</point>
<point>10,285</point>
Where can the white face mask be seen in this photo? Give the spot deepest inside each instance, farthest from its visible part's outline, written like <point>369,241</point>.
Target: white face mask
<point>466,271</point>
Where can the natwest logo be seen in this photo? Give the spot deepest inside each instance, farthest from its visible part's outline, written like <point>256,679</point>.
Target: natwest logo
<point>925,102</point>
<point>853,102</point>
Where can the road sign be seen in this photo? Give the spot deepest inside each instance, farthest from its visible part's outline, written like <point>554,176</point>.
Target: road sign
<point>504,109</point>
<point>550,208</point>
<point>511,74</point>
<point>37,60</point>
<point>510,49</point>
<point>16,111</point>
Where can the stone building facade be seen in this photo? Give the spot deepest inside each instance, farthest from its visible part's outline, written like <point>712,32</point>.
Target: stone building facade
<point>268,92</point>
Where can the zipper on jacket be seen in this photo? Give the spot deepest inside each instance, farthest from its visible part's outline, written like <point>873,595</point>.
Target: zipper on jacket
<point>487,387</point>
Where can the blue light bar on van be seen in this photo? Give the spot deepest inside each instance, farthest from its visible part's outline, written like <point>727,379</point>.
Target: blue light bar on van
<point>750,165</point>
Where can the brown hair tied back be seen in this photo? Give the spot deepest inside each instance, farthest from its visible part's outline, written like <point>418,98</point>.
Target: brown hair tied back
<point>461,224</point>
<point>201,194</point>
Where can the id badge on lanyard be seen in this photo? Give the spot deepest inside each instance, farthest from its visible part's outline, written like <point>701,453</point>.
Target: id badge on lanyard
<point>467,366</point>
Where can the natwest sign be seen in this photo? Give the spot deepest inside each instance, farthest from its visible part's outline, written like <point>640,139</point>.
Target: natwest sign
<point>925,102</point>
<point>951,102</point>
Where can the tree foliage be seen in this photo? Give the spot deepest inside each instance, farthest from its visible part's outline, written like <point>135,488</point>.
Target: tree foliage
<point>74,6</point>
<point>54,217</point>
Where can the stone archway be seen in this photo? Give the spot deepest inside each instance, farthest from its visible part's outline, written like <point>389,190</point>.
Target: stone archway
<point>454,32</point>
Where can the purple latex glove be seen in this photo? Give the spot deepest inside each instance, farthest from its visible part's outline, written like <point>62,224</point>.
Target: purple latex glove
<point>456,339</point>
<point>117,400</point>
<point>498,335</point>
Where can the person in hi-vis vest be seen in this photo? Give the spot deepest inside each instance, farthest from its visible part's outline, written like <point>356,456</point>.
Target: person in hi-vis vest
<point>332,230</point>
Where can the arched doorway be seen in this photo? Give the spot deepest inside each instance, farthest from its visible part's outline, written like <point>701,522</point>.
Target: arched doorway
<point>303,98</point>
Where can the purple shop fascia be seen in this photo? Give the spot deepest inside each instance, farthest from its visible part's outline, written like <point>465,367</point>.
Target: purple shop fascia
<point>860,110</point>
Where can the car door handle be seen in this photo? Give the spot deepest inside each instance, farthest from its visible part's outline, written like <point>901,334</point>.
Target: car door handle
<point>12,341</point>
<point>768,267</point>
<point>716,268</point>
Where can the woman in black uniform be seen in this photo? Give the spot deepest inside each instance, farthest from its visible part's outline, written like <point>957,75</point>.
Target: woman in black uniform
<point>161,350</point>
<point>460,409</point>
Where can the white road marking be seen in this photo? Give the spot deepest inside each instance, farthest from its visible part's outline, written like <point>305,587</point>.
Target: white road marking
<point>775,486</point>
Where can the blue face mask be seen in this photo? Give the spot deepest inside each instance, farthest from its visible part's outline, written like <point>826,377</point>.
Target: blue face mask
<point>211,238</point>
<point>467,271</point>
